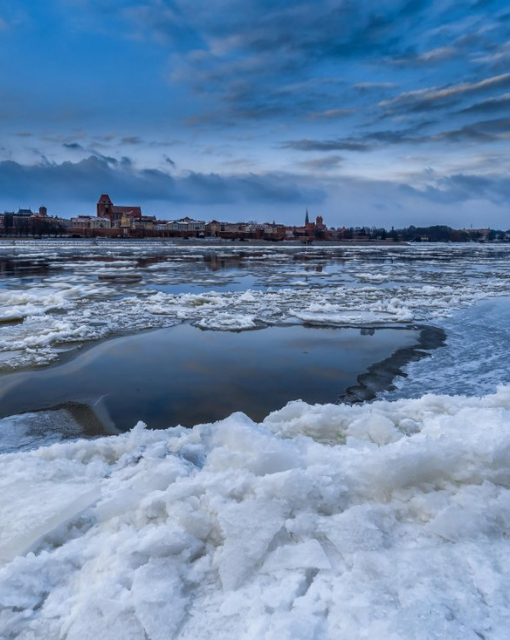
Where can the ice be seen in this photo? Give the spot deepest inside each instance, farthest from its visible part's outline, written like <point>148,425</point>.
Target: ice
<point>31,430</point>
<point>90,292</point>
<point>474,359</point>
<point>384,520</point>
<point>222,321</point>
<point>387,520</point>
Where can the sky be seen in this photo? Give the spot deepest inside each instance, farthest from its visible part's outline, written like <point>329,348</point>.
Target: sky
<point>375,112</point>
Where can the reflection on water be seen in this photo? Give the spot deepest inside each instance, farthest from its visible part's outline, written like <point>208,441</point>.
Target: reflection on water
<point>174,272</point>
<point>183,375</point>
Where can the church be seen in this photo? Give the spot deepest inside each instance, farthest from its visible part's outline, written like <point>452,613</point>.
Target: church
<point>115,213</point>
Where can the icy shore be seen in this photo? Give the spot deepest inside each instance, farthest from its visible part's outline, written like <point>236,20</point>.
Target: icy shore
<point>387,520</point>
<point>384,521</point>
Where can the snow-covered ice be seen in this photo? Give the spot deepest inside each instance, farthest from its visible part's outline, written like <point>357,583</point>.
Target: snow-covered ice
<point>387,520</point>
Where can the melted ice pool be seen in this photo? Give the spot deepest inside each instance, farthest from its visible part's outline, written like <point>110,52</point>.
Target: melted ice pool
<point>183,375</point>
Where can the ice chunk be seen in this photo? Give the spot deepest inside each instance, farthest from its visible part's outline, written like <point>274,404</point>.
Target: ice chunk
<point>248,527</point>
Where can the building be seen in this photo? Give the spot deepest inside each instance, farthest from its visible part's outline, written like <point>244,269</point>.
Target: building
<point>116,213</point>
<point>186,227</point>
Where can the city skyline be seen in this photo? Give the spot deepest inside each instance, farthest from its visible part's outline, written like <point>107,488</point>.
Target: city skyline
<point>392,115</point>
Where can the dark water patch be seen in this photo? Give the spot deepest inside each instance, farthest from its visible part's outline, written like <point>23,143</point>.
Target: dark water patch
<point>182,375</point>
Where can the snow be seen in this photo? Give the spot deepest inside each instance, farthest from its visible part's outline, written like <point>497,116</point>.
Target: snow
<point>474,360</point>
<point>387,520</point>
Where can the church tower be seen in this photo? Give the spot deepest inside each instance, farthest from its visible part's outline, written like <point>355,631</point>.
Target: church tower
<point>104,206</point>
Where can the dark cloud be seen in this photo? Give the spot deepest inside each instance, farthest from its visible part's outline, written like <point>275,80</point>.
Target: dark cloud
<point>85,179</point>
<point>165,143</point>
<point>131,140</point>
<point>464,187</point>
<point>248,49</point>
<point>484,131</point>
<point>325,145</point>
<point>495,57</point>
<point>238,52</point>
<point>492,105</point>
<point>108,160</point>
<point>74,146</point>
<point>241,101</point>
<point>70,187</point>
<point>435,98</point>
<point>62,139</point>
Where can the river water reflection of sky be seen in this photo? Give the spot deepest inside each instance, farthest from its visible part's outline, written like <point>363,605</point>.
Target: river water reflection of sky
<point>182,375</point>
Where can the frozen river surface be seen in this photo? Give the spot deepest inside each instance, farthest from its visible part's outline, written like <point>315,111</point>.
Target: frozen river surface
<point>383,520</point>
<point>56,296</point>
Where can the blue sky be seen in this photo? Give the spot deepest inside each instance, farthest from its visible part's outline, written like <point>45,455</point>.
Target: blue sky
<point>379,113</point>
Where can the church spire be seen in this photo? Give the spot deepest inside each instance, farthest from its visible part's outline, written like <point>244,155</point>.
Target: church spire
<point>307,219</point>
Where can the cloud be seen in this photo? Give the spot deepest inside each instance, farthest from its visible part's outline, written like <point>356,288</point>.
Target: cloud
<point>326,163</point>
<point>107,137</point>
<point>373,86</point>
<point>496,57</point>
<point>465,187</point>
<point>68,188</point>
<point>426,58</point>
<point>325,145</point>
<point>491,105</point>
<point>82,181</point>
<point>482,131</point>
<point>330,114</point>
<point>434,98</point>
<point>74,146</point>
<point>131,140</point>
<point>236,53</point>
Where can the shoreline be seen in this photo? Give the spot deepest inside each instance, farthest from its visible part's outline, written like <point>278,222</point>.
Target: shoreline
<point>196,242</point>
<point>381,375</point>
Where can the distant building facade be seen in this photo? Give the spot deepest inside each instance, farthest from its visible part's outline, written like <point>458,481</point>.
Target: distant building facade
<point>117,214</point>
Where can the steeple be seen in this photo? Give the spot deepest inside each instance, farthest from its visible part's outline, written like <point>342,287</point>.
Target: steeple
<point>307,219</point>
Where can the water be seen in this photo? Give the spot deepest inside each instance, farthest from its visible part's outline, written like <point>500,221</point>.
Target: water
<point>182,375</point>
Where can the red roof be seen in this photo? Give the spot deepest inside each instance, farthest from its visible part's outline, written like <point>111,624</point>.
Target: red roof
<point>134,212</point>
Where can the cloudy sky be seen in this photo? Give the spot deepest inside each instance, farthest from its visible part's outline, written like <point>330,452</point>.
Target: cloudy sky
<point>377,112</point>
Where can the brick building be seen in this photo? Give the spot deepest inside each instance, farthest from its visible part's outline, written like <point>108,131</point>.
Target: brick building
<point>116,213</point>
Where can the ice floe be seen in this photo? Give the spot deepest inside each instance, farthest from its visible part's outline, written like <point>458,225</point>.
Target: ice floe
<point>88,292</point>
